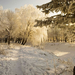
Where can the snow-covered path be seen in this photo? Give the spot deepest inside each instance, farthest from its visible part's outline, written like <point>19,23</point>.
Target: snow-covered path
<point>25,60</point>
<point>11,62</point>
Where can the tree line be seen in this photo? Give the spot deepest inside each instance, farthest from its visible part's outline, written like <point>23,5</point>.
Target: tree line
<point>19,26</point>
<point>29,24</point>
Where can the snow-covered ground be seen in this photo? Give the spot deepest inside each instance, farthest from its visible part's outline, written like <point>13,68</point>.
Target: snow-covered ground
<point>27,60</point>
<point>63,50</point>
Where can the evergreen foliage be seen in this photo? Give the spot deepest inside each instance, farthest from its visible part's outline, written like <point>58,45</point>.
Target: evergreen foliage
<point>67,8</point>
<point>65,21</point>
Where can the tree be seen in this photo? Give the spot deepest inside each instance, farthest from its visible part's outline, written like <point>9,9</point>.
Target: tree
<point>7,23</point>
<point>38,35</point>
<point>67,7</point>
<point>67,16</point>
<point>26,16</point>
<point>53,33</point>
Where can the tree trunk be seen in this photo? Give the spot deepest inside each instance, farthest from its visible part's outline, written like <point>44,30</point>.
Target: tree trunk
<point>65,39</point>
<point>9,40</point>
<point>74,70</point>
<point>24,41</point>
<point>5,40</point>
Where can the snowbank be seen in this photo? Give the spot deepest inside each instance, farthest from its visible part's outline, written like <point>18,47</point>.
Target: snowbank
<point>26,60</point>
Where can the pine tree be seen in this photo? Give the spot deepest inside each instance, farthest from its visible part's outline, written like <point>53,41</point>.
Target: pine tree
<point>63,20</point>
<point>67,7</point>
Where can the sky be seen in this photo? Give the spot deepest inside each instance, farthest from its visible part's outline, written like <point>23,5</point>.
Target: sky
<point>12,4</point>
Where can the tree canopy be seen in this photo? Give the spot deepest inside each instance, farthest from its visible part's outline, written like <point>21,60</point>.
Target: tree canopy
<point>67,8</point>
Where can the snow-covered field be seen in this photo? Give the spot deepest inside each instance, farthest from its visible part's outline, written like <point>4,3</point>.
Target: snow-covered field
<point>27,60</point>
<point>63,50</point>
